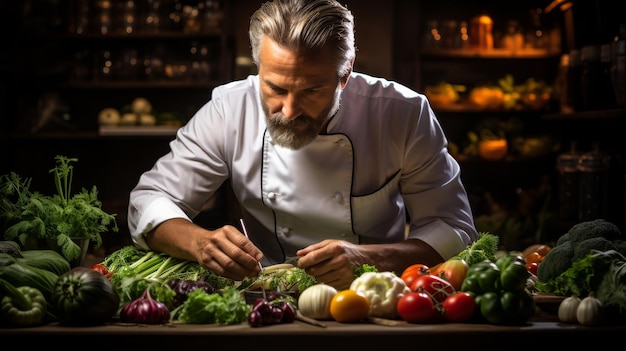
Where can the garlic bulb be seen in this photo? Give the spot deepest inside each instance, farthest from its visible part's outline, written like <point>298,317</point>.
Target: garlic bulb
<point>590,311</point>
<point>568,309</point>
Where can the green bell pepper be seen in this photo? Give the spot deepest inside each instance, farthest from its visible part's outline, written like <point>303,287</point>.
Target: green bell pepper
<point>22,306</point>
<point>513,272</point>
<point>499,291</point>
<point>506,307</point>
<point>482,277</point>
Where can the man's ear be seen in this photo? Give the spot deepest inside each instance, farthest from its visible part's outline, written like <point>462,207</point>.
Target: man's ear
<point>344,79</point>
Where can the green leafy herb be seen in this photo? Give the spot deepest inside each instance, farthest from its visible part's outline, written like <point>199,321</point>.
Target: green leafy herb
<point>484,248</point>
<point>227,307</point>
<point>29,214</point>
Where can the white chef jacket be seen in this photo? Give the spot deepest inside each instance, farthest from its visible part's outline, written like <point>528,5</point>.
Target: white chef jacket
<point>384,155</point>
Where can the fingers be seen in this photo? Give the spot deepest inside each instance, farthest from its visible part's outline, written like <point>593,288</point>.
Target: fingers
<point>339,278</point>
<point>227,252</point>
<point>330,262</point>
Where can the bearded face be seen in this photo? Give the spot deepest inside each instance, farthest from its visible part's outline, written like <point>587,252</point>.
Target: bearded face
<point>302,130</point>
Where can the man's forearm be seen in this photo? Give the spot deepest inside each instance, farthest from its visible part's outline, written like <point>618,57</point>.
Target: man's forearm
<point>174,237</point>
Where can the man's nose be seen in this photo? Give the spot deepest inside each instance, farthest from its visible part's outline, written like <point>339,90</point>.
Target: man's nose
<point>291,108</point>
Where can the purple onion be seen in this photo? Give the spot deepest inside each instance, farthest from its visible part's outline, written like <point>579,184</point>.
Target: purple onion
<point>145,310</point>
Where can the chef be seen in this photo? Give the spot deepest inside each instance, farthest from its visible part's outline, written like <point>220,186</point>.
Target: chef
<point>333,167</point>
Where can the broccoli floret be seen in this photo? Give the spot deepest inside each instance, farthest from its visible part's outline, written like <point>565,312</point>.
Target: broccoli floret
<point>584,275</point>
<point>579,240</point>
<point>584,247</point>
<point>557,261</point>
<point>620,246</point>
<point>594,229</point>
<point>359,270</point>
<point>563,238</point>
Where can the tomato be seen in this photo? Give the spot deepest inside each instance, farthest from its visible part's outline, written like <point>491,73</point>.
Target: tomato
<point>101,269</point>
<point>437,288</point>
<point>532,267</point>
<point>348,306</point>
<point>543,249</point>
<point>534,257</point>
<point>459,307</point>
<point>413,271</point>
<point>452,270</point>
<point>416,307</point>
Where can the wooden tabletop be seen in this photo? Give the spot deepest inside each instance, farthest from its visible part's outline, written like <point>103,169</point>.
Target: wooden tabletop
<point>299,335</point>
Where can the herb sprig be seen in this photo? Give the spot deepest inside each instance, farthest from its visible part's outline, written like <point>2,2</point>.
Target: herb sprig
<point>27,214</point>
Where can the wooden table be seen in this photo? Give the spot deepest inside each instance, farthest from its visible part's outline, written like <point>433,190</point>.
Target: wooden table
<point>302,336</point>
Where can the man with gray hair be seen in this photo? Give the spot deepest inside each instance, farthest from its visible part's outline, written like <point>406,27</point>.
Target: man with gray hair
<point>331,167</point>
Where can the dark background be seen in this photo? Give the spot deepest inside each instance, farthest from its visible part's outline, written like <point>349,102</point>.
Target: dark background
<point>37,59</point>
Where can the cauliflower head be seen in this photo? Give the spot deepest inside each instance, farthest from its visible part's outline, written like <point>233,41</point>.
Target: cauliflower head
<point>383,290</point>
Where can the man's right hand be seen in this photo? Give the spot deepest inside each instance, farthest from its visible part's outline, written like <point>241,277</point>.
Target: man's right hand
<point>225,251</point>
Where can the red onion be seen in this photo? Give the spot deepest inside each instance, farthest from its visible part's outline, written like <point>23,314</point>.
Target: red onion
<point>145,310</point>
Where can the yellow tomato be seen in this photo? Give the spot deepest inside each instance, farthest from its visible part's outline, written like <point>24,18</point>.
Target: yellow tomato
<point>349,306</point>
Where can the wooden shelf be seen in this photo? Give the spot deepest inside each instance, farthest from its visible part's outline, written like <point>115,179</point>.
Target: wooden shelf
<point>595,114</point>
<point>138,130</point>
<point>490,54</point>
<point>143,84</point>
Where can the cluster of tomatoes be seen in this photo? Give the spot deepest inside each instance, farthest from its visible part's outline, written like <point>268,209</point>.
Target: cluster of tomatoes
<point>435,294</point>
<point>533,255</point>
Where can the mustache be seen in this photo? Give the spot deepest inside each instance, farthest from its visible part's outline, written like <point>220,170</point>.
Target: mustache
<point>279,119</point>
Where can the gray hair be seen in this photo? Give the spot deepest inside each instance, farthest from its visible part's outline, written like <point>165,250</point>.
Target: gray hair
<point>303,25</point>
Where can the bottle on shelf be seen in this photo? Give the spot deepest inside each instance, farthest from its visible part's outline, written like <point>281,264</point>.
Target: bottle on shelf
<point>618,66</point>
<point>481,32</point>
<point>568,183</point>
<point>562,88</point>
<point>574,74</point>
<point>594,167</point>
<point>431,38</point>
<point>595,81</point>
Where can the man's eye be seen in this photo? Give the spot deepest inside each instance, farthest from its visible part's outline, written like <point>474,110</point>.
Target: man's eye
<point>277,90</point>
<point>312,91</point>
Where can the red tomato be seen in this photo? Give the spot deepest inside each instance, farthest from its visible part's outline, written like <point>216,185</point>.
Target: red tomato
<point>413,271</point>
<point>101,268</point>
<point>437,288</point>
<point>416,307</point>
<point>534,257</point>
<point>452,270</point>
<point>532,267</point>
<point>459,307</point>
